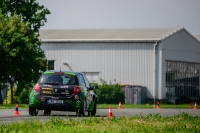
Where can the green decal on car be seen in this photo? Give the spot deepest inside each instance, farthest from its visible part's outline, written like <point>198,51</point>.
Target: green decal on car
<point>70,73</point>
<point>68,101</point>
<point>91,105</point>
<point>78,102</point>
<point>48,72</point>
<point>32,98</point>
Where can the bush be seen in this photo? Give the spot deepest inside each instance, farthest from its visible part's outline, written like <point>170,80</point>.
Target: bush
<point>24,96</point>
<point>22,92</point>
<point>110,93</point>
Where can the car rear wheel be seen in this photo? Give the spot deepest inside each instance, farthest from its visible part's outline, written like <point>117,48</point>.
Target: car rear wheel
<point>33,111</point>
<point>47,112</point>
<point>93,112</point>
<point>82,111</point>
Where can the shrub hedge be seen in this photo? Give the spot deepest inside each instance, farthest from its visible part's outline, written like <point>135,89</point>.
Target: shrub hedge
<point>110,93</point>
<point>106,93</point>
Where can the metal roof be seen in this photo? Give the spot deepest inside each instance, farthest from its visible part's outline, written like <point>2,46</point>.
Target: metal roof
<point>197,36</point>
<point>98,35</point>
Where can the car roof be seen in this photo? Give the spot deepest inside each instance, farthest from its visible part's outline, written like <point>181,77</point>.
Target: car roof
<point>64,71</point>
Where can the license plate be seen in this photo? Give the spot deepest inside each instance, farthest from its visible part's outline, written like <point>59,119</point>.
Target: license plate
<point>54,101</point>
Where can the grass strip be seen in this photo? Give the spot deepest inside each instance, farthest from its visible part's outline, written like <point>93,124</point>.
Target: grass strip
<point>103,106</point>
<point>106,106</point>
<point>12,106</point>
<point>183,123</point>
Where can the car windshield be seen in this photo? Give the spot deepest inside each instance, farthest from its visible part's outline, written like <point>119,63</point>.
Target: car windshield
<point>61,79</point>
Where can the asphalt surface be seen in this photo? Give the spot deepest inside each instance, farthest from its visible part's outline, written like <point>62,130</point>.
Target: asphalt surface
<point>6,115</point>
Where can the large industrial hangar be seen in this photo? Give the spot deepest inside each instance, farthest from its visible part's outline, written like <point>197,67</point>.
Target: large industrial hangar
<point>164,60</point>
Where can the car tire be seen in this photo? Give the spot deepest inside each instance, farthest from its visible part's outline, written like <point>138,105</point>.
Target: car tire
<point>82,111</point>
<point>47,112</point>
<point>93,112</point>
<point>33,111</point>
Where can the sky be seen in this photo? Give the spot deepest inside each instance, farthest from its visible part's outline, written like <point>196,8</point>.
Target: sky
<point>118,14</point>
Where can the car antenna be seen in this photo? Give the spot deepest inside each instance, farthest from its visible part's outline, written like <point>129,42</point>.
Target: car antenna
<point>60,69</point>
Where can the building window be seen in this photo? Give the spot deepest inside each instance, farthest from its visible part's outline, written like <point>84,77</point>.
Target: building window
<point>50,65</point>
<point>182,79</point>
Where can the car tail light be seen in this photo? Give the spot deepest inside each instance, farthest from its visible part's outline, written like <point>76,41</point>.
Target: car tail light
<point>77,90</point>
<point>36,88</point>
<point>76,97</point>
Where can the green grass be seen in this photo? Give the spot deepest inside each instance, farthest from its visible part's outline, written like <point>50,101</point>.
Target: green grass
<point>181,123</point>
<point>142,106</point>
<point>106,106</point>
<point>11,106</point>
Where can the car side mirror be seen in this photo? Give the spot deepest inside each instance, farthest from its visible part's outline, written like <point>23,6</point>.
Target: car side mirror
<point>93,87</point>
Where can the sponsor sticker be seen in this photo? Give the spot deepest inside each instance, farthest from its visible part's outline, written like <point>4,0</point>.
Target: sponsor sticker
<point>78,102</point>
<point>55,97</point>
<point>64,86</point>
<point>65,92</point>
<point>46,92</point>
<point>32,98</point>
<point>35,93</point>
<point>50,89</point>
<point>45,85</point>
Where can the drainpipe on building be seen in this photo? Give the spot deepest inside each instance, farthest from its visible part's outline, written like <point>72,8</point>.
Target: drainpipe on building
<point>199,81</point>
<point>154,73</point>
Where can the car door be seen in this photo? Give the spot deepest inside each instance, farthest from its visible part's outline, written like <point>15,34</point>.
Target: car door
<point>84,86</point>
<point>89,92</point>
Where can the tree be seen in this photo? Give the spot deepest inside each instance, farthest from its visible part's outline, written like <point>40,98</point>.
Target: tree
<point>28,11</point>
<point>20,52</point>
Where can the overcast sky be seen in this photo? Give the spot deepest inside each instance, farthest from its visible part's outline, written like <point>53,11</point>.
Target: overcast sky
<point>96,14</point>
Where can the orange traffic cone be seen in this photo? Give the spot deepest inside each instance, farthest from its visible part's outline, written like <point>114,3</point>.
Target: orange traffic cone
<point>120,105</point>
<point>195,105</point>
<point>16,113</point>
<point>158,105</point>
<point>190,106</point>
<point>110,115</point>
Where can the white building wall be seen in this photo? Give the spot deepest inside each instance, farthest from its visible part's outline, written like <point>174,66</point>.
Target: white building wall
<point>125,63</point>
<point>179,47</point>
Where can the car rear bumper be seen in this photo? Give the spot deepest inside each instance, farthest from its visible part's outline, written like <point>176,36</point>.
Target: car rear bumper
<point>68,105</point>
<point>42,102</point>
<point>56,107</point>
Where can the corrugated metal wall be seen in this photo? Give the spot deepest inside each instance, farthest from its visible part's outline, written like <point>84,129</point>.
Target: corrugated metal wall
<point>125,63</point>
<point>135,94</point>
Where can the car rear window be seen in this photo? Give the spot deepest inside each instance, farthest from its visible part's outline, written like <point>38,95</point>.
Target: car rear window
<point>62,79</point>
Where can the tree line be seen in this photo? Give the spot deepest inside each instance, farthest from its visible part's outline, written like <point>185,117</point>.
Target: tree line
<point>21,56</point>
